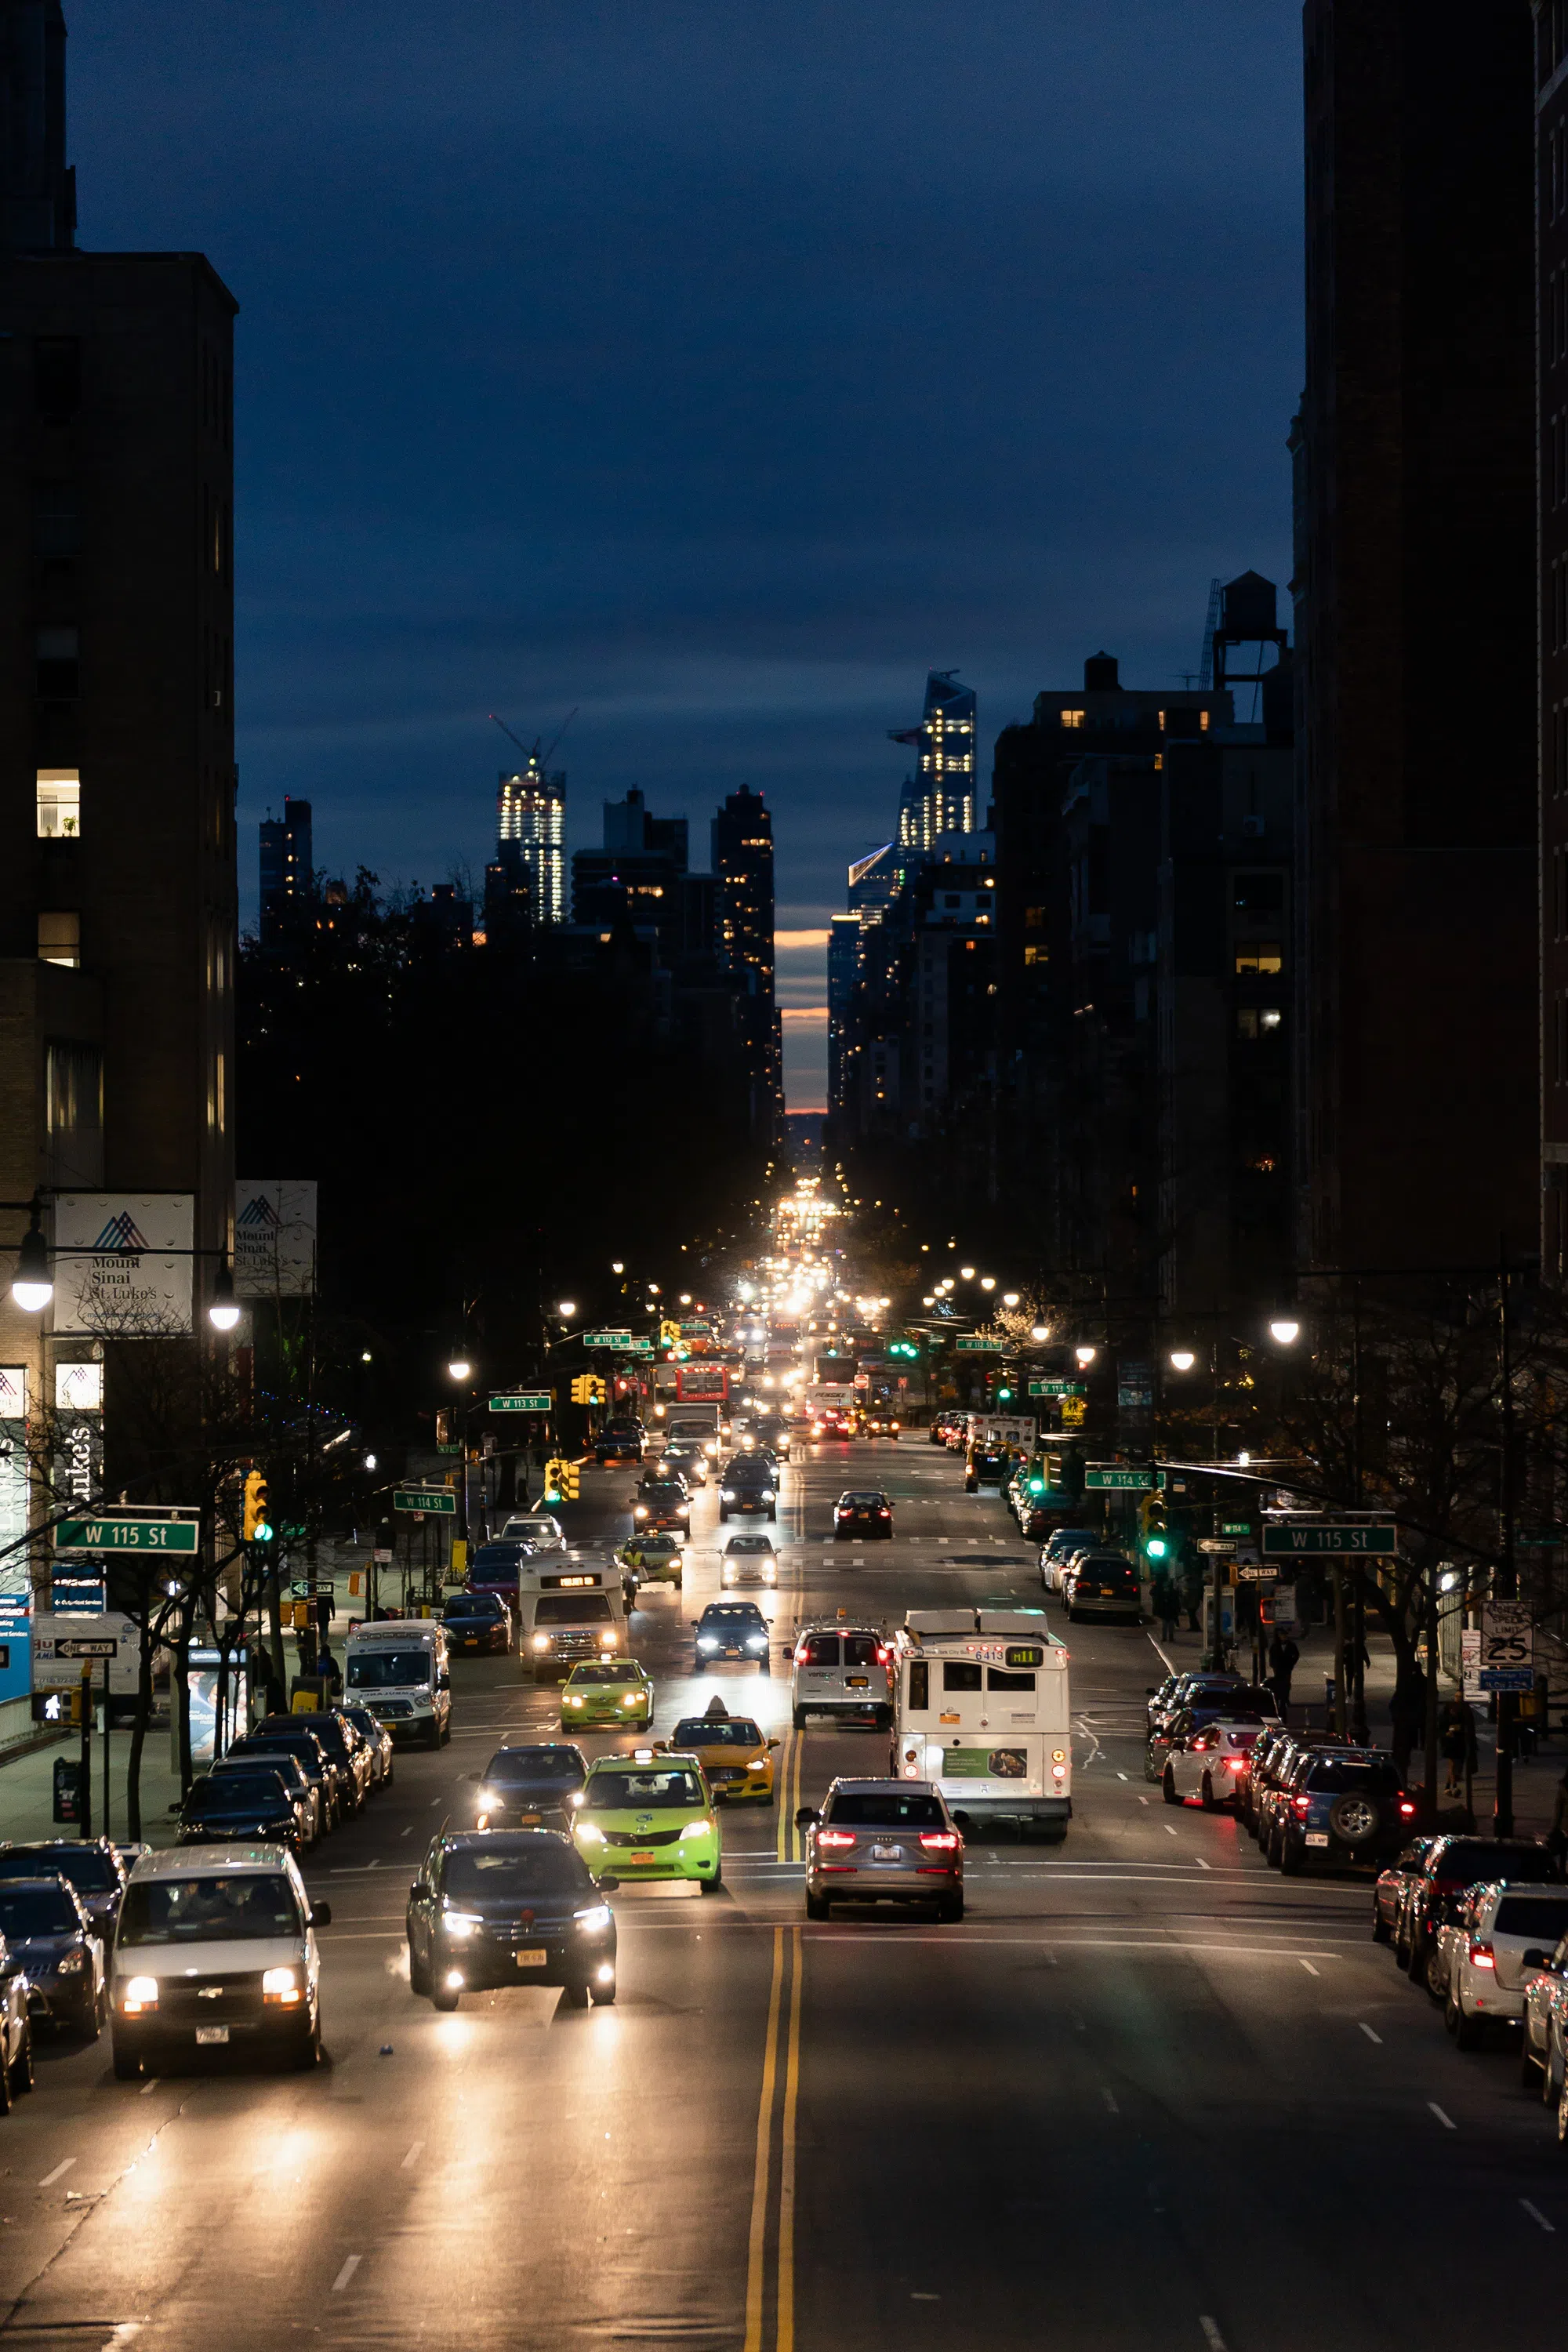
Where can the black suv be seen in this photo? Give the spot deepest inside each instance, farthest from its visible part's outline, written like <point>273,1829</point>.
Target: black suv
<point>1454,1865</point>
<point>1343,1805</point>
<point>750,1483</point>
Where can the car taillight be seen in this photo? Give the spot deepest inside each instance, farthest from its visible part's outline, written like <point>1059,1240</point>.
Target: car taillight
<point>940,1841</point>
<point>835,1839</point>
<point>1407,1809</point>
<point>882,1656</point>
<point>1235,1763</point>
<point>1300,1803</point>
<point>1483,1956</point>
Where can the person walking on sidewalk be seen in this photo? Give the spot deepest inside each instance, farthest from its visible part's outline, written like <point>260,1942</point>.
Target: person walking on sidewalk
<point>1283,1659</point>
<point>1457,1738</point>
<point>1167,1606</point>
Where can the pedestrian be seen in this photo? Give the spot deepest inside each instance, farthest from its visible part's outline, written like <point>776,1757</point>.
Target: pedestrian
<point>1407,1711</point>
<point>1167,1607</point>
<point>1283,1659</point>
<point>1456,1739</point>
<point>1557,1836</point>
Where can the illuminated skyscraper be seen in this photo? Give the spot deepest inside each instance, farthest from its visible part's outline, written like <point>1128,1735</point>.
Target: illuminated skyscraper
<point>939,797</point>
<point>530,828</point>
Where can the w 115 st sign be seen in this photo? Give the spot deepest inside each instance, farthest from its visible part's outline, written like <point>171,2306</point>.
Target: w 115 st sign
<point>1339,1538</point>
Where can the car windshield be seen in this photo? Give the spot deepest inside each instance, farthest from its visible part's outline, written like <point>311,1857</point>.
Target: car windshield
<point>386,1669</point>
<point>748,1544</point>
<point>1541,1917</point>
<point>884,1809</point>
<point>1468,1861</point>
<point>235,1793</point>
<point>606,1674</point>
<point>572,1609</point>
<point>859,1502</point>
<point>528,1529</point>
<point>249,1906</point>
<point>501,1873</point>
<point>308,1756</point>
<point>670,1787</point>
<point>1244,1704</point>
<point>734,1612</point>
<point>703,1731</point>
<point>90,1872</point>
<point>512,1766</point>
<point>499,1560</point>
<point>1339,1772</point>
<point>474,1604</point>
<point>37,1911</point>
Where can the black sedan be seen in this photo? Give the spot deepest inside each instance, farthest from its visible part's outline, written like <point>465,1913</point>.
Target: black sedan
<point>732,1629</point>
<point>494,1907</point>
<point>244,1808</point>
<point>47,1930</point>
<point>867,1514</point>
<point>93,1866</point>
<point>530,1787</point>
<point>476,1621</point>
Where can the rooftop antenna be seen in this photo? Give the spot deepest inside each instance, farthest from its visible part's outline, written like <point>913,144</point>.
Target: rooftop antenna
<point>1205,673</point>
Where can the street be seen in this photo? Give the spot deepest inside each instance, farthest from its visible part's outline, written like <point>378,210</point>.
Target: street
<point>1148,2093</point>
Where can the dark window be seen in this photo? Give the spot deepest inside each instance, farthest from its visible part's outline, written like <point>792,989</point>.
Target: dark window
<point>57,520</point>
<point>512,1766</point>
<point>998,1680</point>
<point>1332,1774</point>
<point>38,1912</point>
<point>57,653</point>
<point>821,1650</point>
<point>1541,1917</point>
<point>958,1675</point>
<point>860,1649</point>
<point>91,1873</point>
<point>920,1687</point>
<point>572,1609</point>
<point>1469,1861</point>
<point>884,1809</point>
<point>216,1908</point>
<point>57,378</point>
<point>1258,894</point>
<point>494,1870</point>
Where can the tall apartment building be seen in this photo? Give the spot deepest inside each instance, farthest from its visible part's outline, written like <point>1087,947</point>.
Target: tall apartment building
<point>530,835</point>
<point>939,797</point>
<point>1416,983</point>
<point>117,776</point>
<point>288,868</point>
<point>742,857</point>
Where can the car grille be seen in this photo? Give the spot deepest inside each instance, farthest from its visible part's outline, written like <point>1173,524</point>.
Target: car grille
<point>728,1772</point>
<point>209,1999</point>
<point>642,1838</point>
<point>389,1710</point>
<point>575,1644</point>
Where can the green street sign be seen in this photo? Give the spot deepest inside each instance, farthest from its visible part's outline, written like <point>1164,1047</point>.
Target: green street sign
<point>638,1348</point>
<point>437,1499</point>
<point>1058,1387</point>
<point>526,1401</point>
<point>1115,1479</point>
<point>1235,1527</point>
<point>978,1347</point>
<point>1341,1537</point>
<point>131,1532</point>
<point>622,1340</point>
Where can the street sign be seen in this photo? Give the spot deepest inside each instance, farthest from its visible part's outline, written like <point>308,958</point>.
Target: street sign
<point>86,1645</point>
<point>1219,1543</point>
<point>1114,1479</point>
<point>131,1532</point>
<point>1058,1387</point>
<point>1338,1536</point>
<point>1255,1571</point>
<point>638,1348</point>
<point>1507,1646</point>
<point>1235,1527</point>
<point>62,1645</point>
<point>303,1590</point>
<point>622,1340</point>
<point>526,1401</point>
<point>978,1347</point>
<point>438,1499</point>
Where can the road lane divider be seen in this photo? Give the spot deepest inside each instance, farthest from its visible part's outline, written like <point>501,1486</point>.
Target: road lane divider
<point>772,2219</point>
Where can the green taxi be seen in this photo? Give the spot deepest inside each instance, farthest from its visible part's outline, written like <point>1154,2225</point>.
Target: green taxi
<point>649,1816</point>
<point>606,1691</point>
<point>656,1560</point>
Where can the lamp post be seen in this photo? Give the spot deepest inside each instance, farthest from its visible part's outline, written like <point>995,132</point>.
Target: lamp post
<point>459,1371</point>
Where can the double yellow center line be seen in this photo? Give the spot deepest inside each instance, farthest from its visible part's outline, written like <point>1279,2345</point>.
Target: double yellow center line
<point>782,2042</point>
<point>791,1755</point>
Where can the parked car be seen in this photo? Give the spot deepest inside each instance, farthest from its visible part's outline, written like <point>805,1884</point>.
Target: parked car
<point>244,1809</point>
<point>1206,1766</point>
<point>311,1793</point>
<point>1389,1888</point>
<point>95,1867</point>
<point>1245,1703</point>
<point>1542,2043</point>
<point>377,1740</point>
<point>1452,1868</point>
<point>300,1741</point>
<point>46,1931</point>
<point>1486,1954</point>
<point>1344,1805</point>
<point>16,2029</point>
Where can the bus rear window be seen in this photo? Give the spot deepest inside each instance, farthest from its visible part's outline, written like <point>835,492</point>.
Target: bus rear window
<point>999,1679</point>
<point>959,1674</point>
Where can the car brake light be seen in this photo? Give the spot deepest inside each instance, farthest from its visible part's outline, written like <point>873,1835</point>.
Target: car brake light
<point>940,1841</point>
<point>835,1839</point>
<point>1483,1956</point>
<point>882,1656</point>
<point>884,1513</point>
<point>1300,1803</point>
<point>1234,1763</point>
<point>1407,1809</point>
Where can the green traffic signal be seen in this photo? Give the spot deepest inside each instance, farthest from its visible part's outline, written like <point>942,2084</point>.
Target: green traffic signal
<point>1156,1547</point>
<point>262,1531</point>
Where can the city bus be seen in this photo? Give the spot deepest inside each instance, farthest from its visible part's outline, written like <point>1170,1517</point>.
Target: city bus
<point>981,1708</point>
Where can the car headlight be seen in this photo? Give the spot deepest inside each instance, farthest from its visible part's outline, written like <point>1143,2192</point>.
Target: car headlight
<point>609,1640</point>
<point>727,1494</point>
<point>632,1698</point>
<point>757,1764</point>
<point>591,1831</point>
<point>542,1641</point>
<point>756,1641</point>
<point>594,1922</point>
<point>706,1641</point>
<point>490,1800</point>
<point>281,1985</point>
<point>573,1698</point>
<point>640,1512</point>
<point>767,1494</point>
<point>70,1964</point>
<point>698,1829</point>
<point>460,1927</point>
<point>139,1993</point>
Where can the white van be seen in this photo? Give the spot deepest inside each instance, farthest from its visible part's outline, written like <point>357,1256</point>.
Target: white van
<point>981,1708</point>
<point>569,1608</point>
<point>398,1668</point>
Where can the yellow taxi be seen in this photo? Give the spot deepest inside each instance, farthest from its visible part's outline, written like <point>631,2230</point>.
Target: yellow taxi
<point>736,1757</point>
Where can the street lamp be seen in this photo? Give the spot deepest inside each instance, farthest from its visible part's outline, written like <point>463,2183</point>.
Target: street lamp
<point>568,1308</point>
<point>222,1313</point>
<point>617,1266</point>
<point>32,1286</point>
<point>1181,1359</point>
<point>458,1368</point>
<point>1086,1357</point>
<point>1284,1332</point>
<point>1040,1334</point>
<point>967,1272</point>
<point>988,1282</point>
<point>929,1301</point>
<point>1009,1298</point>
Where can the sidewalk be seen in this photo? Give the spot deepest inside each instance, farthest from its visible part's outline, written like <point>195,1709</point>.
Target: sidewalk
<point>26,1789</point>
<point>1535,1781</point>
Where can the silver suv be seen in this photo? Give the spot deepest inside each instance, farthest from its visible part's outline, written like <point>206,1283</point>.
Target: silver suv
<point>883,1841</point>
<point>843,1670</point>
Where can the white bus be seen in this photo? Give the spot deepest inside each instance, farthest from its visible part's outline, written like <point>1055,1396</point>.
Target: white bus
<point>569,1608</point>
<point>981,1701</point>
<point>398,1667</point>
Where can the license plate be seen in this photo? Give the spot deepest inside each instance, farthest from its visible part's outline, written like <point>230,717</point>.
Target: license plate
<point>645,1857</point>
<point>527,1821</point>
<point>205,2033</point>
<point>1317,1837</point>
<point>887,1853</point>
<point>859,1682</point>
<point>530,1959</point>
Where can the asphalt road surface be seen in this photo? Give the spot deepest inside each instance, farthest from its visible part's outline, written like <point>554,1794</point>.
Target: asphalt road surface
<point>1148,2093</point>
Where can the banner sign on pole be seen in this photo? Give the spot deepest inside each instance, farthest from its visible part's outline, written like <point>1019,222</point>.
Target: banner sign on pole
<point>274,1237</point>
<point>122,1264</point>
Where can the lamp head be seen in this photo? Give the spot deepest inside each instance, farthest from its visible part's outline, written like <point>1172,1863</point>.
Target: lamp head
<point>33,1285</point>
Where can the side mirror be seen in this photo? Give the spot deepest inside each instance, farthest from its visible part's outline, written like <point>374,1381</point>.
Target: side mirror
<point>607,1885</point>
<point>807,1818</point>
<point>772,1743</point>
<point>321,1916</point>
<point>1535,1958</point>
<point>419,1890</point>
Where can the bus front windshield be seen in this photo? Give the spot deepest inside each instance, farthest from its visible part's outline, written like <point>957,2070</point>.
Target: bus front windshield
<point>388,1669</point>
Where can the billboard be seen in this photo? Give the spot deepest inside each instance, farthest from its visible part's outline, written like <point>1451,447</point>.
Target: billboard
<point>274,1237</point>
<point>123,1265</point>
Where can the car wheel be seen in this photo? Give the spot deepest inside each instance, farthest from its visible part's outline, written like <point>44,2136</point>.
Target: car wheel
<point>575,1992</point>
<point>22,2075</point>
<point>1168,1787</point>
<point>1469,2032</point>
<point>723,1514</point>
<point>1437,1986</point>
<point>604,1994</point>
<point>1290,1858</point>
<point>101,2009</point>
<point>1206,1795</point>
<point>447,1997</point>
<point>127,2069</point>
<point>1271,1851</point>
<point>309,2054</point>
<point>765,1665</point>
<point>712,1886</point>
<point>433,1737</point>
<point>418,1977</point>
<point>817,1907</point>
<point>798,1718</point>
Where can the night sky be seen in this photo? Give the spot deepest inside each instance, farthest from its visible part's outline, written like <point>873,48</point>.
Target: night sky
<point>717,368</point>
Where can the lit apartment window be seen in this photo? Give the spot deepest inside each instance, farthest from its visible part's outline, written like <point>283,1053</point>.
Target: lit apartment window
<point>217,1108</point>
<point>1203,729</point>
<point>59,938</point>
<point>1072,719</point>
<point>59,803</point>
<point>1259,955</point>
<point>1037,955</point>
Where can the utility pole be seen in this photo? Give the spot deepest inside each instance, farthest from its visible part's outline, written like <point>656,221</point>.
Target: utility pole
<point>1505,1583</point>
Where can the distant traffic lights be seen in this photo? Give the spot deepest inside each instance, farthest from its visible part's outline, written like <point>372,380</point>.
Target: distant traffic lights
<point>256,1519</point>
<point>1157,1545</point>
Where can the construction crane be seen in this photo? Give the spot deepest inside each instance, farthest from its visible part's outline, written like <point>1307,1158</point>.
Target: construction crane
<point>537,756</point>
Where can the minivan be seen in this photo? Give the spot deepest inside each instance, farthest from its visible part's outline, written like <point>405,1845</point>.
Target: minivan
<point>841,1670</point>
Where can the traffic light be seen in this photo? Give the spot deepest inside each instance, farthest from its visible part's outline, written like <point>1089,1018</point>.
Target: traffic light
<point>256,1522</point>
<point>569,1479</point>
<point>587,1388</point>
<point>1004,1396</point>
<point>1157,1544</point>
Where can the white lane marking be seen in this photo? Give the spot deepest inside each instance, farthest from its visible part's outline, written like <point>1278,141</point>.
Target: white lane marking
<point>1142,1801</point>
<point>1446,2121</point>
<point>148,2088</point>
<point>412,2158</point>
<point>124,2334</point>
<point>64,2167</point>
<point>436,1800</point>
<point>1536,2214</point>
<point>1121,1776</point>
<point>1370,2036</point>
<point>347,2271</point>
<point>407,1832</point>
<point>1170,1828</point>
<point>1201,1862</point>
<point>1110,2097</point>
<point>1312,1971</point>
<point>1212,2336</point>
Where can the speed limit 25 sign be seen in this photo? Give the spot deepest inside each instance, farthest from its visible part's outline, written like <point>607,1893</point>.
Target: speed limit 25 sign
<point>1507,1646</point>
